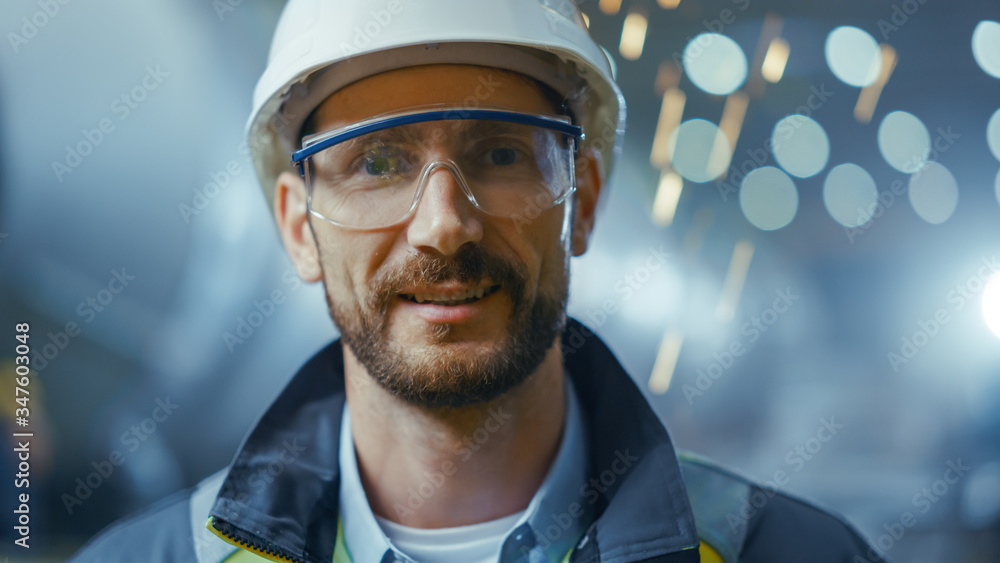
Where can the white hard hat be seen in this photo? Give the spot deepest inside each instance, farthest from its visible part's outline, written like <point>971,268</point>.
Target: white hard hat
<point>320,46</point>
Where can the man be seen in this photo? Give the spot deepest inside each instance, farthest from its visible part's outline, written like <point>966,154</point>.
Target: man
<point>448,158</point>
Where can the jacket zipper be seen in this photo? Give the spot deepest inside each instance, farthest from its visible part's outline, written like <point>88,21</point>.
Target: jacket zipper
<point>243,540</point>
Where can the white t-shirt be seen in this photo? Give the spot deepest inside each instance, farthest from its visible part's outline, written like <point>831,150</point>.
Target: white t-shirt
<point>475,543</point>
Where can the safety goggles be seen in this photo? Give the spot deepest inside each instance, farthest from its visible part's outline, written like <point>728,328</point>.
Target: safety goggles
<point>371,174</point>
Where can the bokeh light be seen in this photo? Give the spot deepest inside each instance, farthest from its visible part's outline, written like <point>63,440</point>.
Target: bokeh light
<point>691,148</point>
<point>986,47</point>
<point>904,141</point>
<point>991,304</point>
<point>934,193</point>
<point>768,198</point>
<point>850,195</point>
<point>715,63</point>
<point>993,134</point>
<point>800,145</point>
<point>853,55</point>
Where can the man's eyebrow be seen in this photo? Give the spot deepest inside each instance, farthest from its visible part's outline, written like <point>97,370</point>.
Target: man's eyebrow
<point>423,134</point>
<point>398,134</point>
<point>487,128</point>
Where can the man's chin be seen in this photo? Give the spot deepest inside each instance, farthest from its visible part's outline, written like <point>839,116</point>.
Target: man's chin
<point>411,333</point>
<point>443,341</point>
<point>452,373</point>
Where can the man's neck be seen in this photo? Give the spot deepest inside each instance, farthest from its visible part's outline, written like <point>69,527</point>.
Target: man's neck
<point>436,469</point>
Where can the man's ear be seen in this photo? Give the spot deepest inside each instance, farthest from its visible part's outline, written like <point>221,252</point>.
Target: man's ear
<point>588,189</point>
<point>292,215</point>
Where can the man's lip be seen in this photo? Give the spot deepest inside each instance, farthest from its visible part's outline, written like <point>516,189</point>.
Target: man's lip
<point>437,312</point>
<point>446,289</point>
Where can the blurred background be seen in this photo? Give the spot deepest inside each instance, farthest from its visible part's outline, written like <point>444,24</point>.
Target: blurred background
<point>803,233</point>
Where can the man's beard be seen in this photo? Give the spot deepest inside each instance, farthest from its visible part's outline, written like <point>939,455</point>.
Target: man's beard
<point>443,377</point>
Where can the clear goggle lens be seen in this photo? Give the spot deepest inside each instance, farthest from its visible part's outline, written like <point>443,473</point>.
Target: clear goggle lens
<point>372,175</point>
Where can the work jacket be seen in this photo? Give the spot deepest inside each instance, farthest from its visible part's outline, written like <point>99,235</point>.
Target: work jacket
<point>278,500</point>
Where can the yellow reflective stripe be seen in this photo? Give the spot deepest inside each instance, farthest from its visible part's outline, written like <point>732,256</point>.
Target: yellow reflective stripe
<point>246,548</point>
<point>243,556</point>
<point>247,554</point>
<point>708,555</point>
<point>340,551</point>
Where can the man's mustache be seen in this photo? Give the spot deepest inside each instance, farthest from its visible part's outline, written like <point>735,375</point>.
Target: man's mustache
<point>470,266</point>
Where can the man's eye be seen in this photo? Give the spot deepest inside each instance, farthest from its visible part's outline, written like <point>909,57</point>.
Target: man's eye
<point>503,156</point>
<point>381,165</point>
<point>382,160</point>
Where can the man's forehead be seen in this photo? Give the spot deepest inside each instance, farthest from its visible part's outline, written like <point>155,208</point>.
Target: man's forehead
<point>461,86</point>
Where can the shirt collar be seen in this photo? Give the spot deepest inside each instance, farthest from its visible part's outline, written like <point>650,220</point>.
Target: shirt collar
<point>555,517</point>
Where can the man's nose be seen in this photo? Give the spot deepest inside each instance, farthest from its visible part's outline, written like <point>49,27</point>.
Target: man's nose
<point>445,219</point>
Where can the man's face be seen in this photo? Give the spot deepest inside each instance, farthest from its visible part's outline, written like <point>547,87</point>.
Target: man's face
<point>464,351</point>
